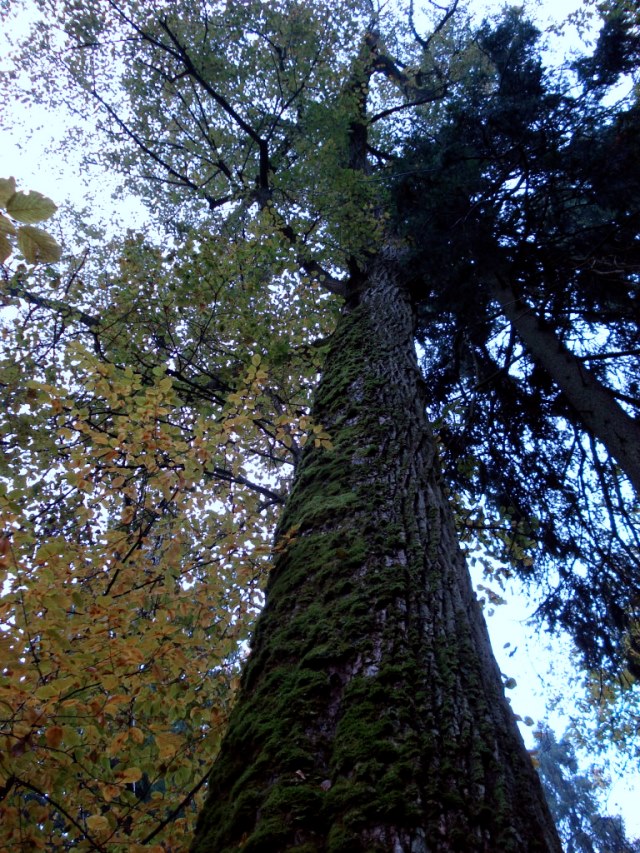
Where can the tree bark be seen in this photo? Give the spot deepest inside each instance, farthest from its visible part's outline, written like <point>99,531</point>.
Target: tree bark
<point>594,404</point>
<point>371,714</point>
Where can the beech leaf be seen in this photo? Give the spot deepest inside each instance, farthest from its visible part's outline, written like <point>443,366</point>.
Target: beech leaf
<point>6,225</point>
<point>131,774</point>
<point>38,246</point>
<point>7,189</point>
<point>30,207</point>
<point>5,248</point>
<point>53,736</point>
<point>97,823</point>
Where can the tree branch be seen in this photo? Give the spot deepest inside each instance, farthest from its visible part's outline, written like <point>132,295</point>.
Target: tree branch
<point>94,844</point>
<point>175,812</point>
<point>183,180</point>
<point>449,13</point>
<point>409,84</point>
<point>17,289</point>
<point>184,57</point>
<point>593,403</point>
<point>222,474</point>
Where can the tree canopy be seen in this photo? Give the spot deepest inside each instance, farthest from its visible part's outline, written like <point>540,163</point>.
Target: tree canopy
<point>157,385</point>
<point>527,196</point>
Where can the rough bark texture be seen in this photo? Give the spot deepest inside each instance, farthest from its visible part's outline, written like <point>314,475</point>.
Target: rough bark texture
<point>371,715</point>
<point>594,404</point>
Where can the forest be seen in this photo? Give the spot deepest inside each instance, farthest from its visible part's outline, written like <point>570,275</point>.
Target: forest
<point>377,322</point>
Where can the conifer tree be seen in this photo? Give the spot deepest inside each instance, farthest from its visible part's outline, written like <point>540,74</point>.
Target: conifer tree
<point>573,799</point>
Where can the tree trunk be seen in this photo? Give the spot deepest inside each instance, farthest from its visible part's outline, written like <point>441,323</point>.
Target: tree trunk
<point>371,715</point>
<point>594,404</point>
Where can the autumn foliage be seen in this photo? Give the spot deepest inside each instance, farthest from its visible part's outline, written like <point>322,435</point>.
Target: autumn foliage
<point>134,541</point>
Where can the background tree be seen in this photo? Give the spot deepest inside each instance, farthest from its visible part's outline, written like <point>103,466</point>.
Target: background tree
<point>573,799</point>
<point>267,139</point>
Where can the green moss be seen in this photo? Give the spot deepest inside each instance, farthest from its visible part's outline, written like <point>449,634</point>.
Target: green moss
<point>328,558</point>
<point>343,839</point>
<point>305,717</point>
<point>302,802</point>
<point>350,798</point>
<point>319,494</point>
<point>320,656</point>
<point>271,835</point>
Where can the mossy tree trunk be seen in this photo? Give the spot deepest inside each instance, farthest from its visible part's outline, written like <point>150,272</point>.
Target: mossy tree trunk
<point>371,715</point>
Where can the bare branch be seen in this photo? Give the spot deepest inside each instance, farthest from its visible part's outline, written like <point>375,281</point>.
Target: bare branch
<point>449,13</point>
<point>606,355</point>
<point>223,474</point>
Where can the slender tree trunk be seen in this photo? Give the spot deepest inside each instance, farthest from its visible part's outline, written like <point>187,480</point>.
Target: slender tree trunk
<point>594,404</point>
<point>371,715</point>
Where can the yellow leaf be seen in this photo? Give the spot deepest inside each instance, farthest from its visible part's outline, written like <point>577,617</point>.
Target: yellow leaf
<point>167,744</point>
<point>7,189</point>
<point>38,246</point>
<point>136,735</point>
<point>6,226</point>
<point>47,691</point>
<point>5,248</point>
<point>117,744</point>
<point>97,823</point>
<point>131,774</point>
<point>110,682</point>
<point>111,707</point>
<point>127,514</point>
<point>109,792</point>
<point>130,655</point>
<point>30,207</point>
<point>71,736</point>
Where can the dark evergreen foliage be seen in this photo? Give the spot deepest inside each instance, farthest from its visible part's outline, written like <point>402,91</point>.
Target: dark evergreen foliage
<point>531,180</point>
<point>617,51</point>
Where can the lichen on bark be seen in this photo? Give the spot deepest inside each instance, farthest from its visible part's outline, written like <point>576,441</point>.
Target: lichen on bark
<point>371,715</point>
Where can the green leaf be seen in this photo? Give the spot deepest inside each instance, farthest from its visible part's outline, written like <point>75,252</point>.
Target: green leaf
<point>6,225</point>
<point>47,691</point>
<point>5,248</point>
<point>37,246</point>
<point>30,207</point>
<point>7,189</point>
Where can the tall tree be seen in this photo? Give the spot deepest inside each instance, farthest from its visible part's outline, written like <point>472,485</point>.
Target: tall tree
<point>529,196</point>
<point>371,716</point>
